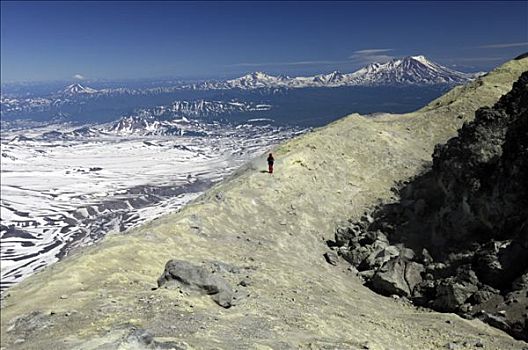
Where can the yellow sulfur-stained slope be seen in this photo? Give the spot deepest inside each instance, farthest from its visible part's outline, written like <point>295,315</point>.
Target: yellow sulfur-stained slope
<point>271,231</point>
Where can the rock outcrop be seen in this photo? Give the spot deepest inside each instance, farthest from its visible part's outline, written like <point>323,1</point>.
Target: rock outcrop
<point>466,221</point>
<point>185,274</point>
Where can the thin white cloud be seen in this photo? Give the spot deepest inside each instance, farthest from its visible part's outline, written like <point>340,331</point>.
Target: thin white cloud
<point>372,58</point>
<point>294,63</point>
<point>78,77</point>
<point>477,59</point>
<point>370,51</point>
<point>366,56</point>
<point>357,57</point>
<point>502,46</point>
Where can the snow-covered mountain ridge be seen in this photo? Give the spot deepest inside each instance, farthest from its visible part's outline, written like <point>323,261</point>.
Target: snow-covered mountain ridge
<point>178,118</point>
<point>190,118</point>
<point>411,70</point>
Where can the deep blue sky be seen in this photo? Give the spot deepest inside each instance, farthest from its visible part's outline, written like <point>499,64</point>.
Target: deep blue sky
<point>128,40</point>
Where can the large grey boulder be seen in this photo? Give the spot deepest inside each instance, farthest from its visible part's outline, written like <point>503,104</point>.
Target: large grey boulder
<point>356,256</point>
<point>183,273</point>
<point>395,275</point>
<point>331,258</point>
<point>344,234</point>
<point>484,294</point>
<point>451,294</point>
<point>405,253</point>
<point>500,263</point>
<point>380,256</point>
<point>413,274</point>
<point>494,320</point>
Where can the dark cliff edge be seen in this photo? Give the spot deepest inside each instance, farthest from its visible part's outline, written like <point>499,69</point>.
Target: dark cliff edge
<point>521,56</point>
<point>457,238</point>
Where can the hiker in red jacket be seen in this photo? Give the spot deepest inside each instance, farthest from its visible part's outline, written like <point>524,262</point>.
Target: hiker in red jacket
<point>270,163</point>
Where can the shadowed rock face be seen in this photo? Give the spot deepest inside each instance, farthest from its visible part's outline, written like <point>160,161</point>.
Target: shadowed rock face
<point>521,56</point>
<point>466,220</point>
<point>482,173</point>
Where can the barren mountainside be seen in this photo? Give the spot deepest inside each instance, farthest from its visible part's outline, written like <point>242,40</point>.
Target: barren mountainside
<point>243,265</point>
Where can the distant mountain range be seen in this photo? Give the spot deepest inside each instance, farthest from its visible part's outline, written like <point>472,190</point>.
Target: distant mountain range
<point>83,102</point>
<point>411,70</point>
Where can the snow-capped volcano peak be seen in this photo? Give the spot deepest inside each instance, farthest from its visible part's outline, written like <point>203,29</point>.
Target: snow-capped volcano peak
<point>413,70</point>
<point>420,58</point>
<point>76,88</point>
